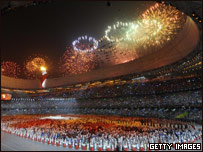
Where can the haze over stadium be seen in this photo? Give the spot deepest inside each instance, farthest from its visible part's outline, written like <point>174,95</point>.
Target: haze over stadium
<point>100,76</point>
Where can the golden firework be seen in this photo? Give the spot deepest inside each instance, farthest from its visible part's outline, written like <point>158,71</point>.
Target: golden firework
<point>158,25</point>
<point>33,65</point>
<point>152,30</point>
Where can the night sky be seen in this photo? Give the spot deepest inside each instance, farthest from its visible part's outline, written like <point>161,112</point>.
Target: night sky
<point>48,28</point>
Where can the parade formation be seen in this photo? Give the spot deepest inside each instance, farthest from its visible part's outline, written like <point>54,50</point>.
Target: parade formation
<point>96,133</point>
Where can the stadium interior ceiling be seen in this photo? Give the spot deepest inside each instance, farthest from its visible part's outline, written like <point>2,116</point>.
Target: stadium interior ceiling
<point>187,67</point>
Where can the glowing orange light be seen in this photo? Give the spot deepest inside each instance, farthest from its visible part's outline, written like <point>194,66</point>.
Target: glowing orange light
<point>42,68</point>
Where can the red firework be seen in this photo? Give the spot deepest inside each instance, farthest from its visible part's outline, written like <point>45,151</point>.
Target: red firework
<point>74,62</point>
<point>10,69</point>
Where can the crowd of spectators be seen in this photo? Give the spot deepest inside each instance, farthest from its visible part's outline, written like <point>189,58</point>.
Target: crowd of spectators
<point>152,99</point>
<point>168,100</point>
<point>133,89</point>
<point>168,105</point>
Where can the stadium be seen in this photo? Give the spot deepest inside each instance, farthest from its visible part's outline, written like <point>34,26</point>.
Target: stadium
<point>104,76</point>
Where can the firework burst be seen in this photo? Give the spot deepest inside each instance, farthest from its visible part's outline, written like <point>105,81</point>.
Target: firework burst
<point>74,62</point>
<point>117,32</point>
<point>156,26</point>
<point>85,43</point>
<point>153,29</point>
<point>10,69</point>
<point>33,64</point>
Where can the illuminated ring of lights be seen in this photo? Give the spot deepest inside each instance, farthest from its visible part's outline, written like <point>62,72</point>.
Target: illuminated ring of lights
<point>89,39</point>
<point>115,27</point>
